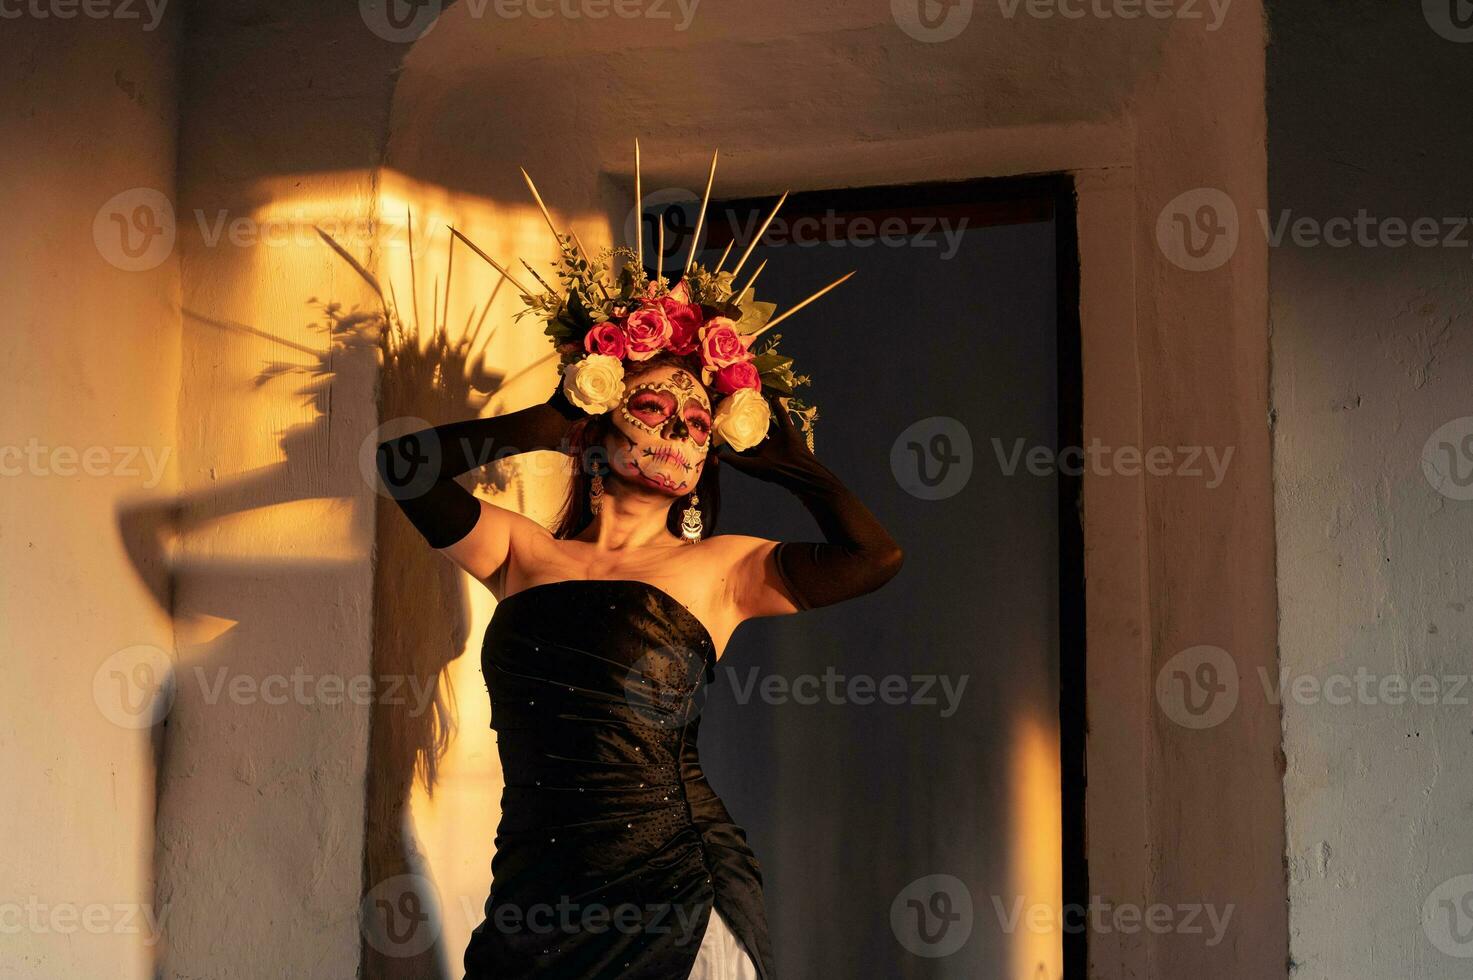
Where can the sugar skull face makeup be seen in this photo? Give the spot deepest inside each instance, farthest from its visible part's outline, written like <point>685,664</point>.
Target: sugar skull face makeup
<point>662,430</point>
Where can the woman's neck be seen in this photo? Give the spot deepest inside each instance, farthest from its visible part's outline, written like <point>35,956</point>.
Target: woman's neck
<point>629,518</point>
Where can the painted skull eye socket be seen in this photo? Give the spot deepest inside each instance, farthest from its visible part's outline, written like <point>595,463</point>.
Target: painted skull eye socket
<point>698,421</point>
<point>652,406</point>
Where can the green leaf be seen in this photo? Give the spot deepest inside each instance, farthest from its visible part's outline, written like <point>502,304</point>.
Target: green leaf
<point>754,315</point>
<point>765,343</point>
<point>769,361</point>
<point>562,331</point>
<point>632,282</point>
<point>581,319</point>
<point>778,383</point>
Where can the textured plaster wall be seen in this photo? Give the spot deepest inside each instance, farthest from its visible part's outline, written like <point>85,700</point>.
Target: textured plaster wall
<point>89,362</point>
<point>428,614</point>
<point>261,813</point>
<point>1372,353</point>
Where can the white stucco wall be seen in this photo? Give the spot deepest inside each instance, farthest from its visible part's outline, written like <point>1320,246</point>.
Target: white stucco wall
<point>89,363</point>
<point>261,803</point>
<point>1373,355</point>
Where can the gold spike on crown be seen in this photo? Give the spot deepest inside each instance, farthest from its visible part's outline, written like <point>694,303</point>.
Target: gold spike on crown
<point>600,320</point>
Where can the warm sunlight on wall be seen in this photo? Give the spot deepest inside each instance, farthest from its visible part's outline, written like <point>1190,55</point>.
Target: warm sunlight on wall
<point>454,826</point>
<point>263,783</point>
<point>1036,946</point>
<point>88,425</point>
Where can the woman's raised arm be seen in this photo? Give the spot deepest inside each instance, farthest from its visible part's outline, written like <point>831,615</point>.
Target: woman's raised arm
<point>418,470</point>
<point>857,554</point>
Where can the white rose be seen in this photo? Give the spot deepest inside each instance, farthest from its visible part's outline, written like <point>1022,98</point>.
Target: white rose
<point>595,383</point>
<point>741,419</point>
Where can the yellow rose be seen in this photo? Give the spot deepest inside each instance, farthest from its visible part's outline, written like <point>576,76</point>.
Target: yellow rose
<point>741,419</point>
<point>595,383</point>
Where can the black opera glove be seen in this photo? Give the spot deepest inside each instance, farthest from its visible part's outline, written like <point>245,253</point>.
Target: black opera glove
<point>857,556</point>
<point>418,469</point>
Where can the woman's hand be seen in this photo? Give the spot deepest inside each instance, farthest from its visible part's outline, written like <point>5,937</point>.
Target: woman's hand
<point>559,400</point>
<point>857,554</point>
<point>441,509</point>
<point>780,457</point>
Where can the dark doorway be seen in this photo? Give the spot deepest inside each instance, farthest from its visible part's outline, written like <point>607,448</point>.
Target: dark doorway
<point>881,812</point>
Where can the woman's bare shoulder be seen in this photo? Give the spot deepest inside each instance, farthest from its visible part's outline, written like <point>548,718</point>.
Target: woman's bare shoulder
<point>522,524</point>
<point>500,538</point>
<point>736,546</point>
<point>751,580</point>
<point>737,558</point>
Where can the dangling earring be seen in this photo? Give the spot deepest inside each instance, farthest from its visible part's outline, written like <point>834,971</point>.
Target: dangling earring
<point>596,493</point>
<point>690,521</point>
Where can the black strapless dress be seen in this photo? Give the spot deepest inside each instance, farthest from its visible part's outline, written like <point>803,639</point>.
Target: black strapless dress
<point>612,846</point>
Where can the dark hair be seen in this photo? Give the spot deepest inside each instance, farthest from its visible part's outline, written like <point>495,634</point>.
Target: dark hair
<point>586,444</point>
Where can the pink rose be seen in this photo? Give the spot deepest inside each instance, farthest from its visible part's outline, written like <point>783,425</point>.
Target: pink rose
<point>721,345</point>
<point>685,324</point>
<point>742,374</point>
<point>606,338</point>
<point>646,331</point>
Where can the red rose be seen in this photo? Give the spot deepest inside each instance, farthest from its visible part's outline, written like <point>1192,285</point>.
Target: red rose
<point>721,345</point>
<point>685,324</point>
<point>606,338</point>
<point>646,331</point>
<point>742,374</point>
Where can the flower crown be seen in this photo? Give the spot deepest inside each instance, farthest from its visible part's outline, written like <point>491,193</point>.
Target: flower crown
<point>604,322</point>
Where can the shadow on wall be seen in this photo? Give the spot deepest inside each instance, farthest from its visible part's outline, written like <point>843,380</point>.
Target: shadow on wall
<point>246,677</point>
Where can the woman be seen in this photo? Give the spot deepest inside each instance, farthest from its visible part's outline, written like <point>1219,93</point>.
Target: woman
<point>614,858</point>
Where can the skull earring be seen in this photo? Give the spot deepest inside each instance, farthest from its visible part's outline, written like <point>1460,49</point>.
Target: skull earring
<point>596,493</point>
<point>690,521</point>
